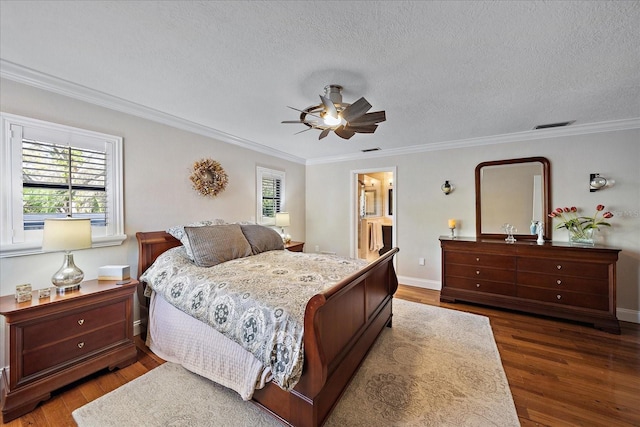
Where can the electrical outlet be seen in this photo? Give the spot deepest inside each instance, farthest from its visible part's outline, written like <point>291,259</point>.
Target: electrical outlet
<point>421,261</point>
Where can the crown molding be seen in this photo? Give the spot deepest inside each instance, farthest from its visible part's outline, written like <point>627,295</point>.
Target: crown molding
<point>27,76</point>
<point>572,130</point>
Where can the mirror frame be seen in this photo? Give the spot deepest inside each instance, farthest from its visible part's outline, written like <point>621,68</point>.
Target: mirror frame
<point>546,197</point>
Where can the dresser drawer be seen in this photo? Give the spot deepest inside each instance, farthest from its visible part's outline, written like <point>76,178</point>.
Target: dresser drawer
<point>73,348</point>
<point>576,299</point>
<point>568,268</point>
<point>562,282</point>
<point>481,272</point>
<point>40,334</point>
<point>487,260</point>
<point>481,285</point>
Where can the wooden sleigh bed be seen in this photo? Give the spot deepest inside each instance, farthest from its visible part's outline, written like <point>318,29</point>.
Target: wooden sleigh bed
<point>340,326</point>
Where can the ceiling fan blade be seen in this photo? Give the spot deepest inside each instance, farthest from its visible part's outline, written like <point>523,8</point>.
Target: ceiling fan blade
<point>356,110</point>
<point>369,118</point>
<point>306,112</point>
<point>344,133</point>
<point>304,130</point>
<point>362,129</point>
<point>294,121</point>
<point>324,133</point>
<point>329,106</point>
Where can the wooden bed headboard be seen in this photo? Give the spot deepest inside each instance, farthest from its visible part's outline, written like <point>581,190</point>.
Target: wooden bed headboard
<point>150,245</point>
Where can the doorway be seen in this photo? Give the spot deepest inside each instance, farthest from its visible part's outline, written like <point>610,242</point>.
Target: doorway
<point>373,208</point>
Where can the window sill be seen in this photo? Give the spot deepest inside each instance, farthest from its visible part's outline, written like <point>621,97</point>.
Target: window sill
<point>33,248</point>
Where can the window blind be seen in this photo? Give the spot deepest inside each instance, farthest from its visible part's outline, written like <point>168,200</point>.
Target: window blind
<point>271,195</point>
<point>60,180</point>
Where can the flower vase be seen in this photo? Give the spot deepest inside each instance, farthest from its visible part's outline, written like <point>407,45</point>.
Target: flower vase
<point>581,237</point>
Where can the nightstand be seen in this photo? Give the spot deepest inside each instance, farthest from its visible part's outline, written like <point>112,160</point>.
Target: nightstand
<point>54,341</point>
<point>294,246</point>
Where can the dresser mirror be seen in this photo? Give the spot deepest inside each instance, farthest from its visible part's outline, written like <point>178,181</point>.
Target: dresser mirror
<point>515,192</point>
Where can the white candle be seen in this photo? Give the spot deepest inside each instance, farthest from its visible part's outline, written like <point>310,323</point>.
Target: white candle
<point>452,223</point>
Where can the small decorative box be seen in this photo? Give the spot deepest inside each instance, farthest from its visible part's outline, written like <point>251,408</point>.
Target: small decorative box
<point>23,292</point>
<point>113,272</point>
<point>44,293</point>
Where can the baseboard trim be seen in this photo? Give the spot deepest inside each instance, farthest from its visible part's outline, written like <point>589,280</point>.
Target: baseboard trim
<point>420,283</point>
<point>626,315</point>
<point>136,327</point>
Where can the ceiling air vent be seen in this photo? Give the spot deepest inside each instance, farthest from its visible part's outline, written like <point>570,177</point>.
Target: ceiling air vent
<point>554,125</point>
<point>370,149</point>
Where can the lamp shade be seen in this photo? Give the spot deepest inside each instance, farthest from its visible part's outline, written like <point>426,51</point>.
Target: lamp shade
<point>66,234</point>
<point>282,219</point>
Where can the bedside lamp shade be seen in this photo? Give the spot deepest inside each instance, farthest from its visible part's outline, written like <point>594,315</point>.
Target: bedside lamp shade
<point>282,219</point>
<point>66,234</point>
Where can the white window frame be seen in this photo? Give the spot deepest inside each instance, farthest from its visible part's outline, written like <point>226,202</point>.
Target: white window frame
<point>14,240</point>
<point>262,172</point>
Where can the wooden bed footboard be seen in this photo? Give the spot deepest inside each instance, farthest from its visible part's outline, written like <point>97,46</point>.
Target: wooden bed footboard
<point>340,326</point>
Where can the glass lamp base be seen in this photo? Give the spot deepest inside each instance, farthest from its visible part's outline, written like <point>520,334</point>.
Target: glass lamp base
<point>69,276</point>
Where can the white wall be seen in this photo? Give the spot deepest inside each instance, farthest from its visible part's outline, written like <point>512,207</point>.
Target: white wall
<point>423,210</point>
<point>157,190</point>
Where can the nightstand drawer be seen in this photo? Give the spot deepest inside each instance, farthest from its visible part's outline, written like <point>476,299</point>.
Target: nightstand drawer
<point>44,333</point>
<point>72,348</point>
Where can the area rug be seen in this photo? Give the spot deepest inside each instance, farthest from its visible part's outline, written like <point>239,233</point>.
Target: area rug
<point>434,367</point>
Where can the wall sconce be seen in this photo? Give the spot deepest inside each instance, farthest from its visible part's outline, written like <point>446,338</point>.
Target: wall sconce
<point>596,182</point>
<point>446,188</point>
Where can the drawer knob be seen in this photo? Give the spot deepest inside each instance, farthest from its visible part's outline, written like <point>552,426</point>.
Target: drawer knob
<point>81,344</point>
<point>477,271</point>
<point>80,322</point>
<point>559,282</point>
<point>478,259</point>
<point>559,296</point>
<point>559,267</point>
<point>477,285</point>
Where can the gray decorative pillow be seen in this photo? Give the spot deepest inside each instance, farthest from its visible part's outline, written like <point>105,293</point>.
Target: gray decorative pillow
<point>262,238</point>
<point>178,232</point>
<point>215,244</point>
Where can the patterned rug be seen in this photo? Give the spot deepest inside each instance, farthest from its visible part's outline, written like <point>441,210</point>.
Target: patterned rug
<point>435,367</point>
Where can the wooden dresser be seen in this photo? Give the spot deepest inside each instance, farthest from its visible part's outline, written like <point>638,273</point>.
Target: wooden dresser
<point>54,341</point>
<point>552,279</point>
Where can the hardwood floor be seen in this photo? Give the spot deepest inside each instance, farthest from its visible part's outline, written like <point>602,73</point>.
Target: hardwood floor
<point>560,373</point>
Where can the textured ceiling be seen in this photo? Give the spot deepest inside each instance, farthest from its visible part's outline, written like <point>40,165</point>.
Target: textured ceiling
<point>443,71</point>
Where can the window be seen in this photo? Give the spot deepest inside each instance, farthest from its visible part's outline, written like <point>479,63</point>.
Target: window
<point>51,170</point>
<point>270,201</point>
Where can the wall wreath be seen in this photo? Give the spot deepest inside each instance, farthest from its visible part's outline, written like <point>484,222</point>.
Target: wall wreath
<point>208,177</point>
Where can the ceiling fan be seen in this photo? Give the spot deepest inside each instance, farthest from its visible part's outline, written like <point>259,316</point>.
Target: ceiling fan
<point>345,120</point>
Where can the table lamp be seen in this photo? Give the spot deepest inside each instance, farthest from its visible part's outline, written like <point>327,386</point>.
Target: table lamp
<point>282,221</point>
<point>66,234</point>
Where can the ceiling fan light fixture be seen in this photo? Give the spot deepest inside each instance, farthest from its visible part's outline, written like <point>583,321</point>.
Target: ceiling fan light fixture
<point>344,119</point>
<point>329,120</point>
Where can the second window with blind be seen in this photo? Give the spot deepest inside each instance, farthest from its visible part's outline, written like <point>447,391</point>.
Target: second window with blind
<point>270,192</point>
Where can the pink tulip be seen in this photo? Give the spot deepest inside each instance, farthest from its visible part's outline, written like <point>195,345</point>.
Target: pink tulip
<point>574,209</point>
<point>607,215</point>
<point>567,210</point>
<point>600,207</point>
<point>552,215</point>
<point>559,210</point>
